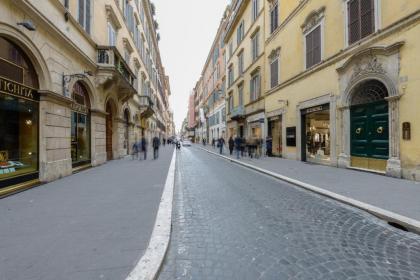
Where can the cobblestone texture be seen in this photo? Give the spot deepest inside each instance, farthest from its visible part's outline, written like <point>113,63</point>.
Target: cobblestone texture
<point>232,223</point>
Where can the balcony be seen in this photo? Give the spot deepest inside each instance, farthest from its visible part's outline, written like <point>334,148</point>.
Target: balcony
<point>237,113</point>
<point>147,107</point>
<point>114,71</point>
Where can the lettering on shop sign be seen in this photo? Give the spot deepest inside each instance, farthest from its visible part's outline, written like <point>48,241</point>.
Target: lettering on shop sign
<point>79,108</point>
<point>16,89</point>
<point>314,109</point>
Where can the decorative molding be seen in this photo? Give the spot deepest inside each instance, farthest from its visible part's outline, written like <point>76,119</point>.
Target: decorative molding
<point>112,17</point>
<point>274,53</point>
<point>373,66</point>
<point>313,19</point>
<point>127,45</point>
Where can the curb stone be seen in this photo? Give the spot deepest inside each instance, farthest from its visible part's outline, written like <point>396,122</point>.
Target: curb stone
<point>148,267</point>
<point>410,224</point>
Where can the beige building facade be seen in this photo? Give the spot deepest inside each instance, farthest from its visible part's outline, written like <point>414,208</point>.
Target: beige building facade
<point>80,82</point>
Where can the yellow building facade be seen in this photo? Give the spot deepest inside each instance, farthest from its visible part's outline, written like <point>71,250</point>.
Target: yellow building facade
<point>342,82</point>
<point>80,82</point>
<point>244,43</point>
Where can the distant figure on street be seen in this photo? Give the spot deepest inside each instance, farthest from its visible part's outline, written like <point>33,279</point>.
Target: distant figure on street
<point>231,144</point>
<point>135,152</point>
<point>213,143</point>
<point>143,146</point>
<point>221,143</point>
<point>156,144</point>
<point>238,145</point>
<point>204,142</point>
<point>164,141</point>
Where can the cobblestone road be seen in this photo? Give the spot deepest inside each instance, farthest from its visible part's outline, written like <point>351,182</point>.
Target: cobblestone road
<point>233,223</point>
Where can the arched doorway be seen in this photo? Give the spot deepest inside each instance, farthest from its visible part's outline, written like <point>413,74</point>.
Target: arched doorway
<point>127,131</point>
<point>80,126</point>
<point>369,126</point>
<point>19,116</point>
<point>109,131</point>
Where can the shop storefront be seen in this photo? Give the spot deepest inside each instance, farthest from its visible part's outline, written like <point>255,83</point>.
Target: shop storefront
<point>80,126</point>
<point>274,140</point>
<point>316,134</point>
<point>19,115</point>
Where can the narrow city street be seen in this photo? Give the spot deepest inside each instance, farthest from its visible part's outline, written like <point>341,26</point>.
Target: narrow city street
<point>95,224</point>
<point>233,223</point>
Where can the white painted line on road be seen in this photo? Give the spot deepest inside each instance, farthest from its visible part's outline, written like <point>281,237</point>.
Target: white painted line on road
<point>411,224</point>
<point>149,265</point>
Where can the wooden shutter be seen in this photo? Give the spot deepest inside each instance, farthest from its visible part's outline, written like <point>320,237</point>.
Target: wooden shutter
<point>274,67</point>
<point>87,27</point>
<point>353,21</point>
<point>81,12</point>
<point>316,52</point>
<point>309,48</point>
<point>367,18</point>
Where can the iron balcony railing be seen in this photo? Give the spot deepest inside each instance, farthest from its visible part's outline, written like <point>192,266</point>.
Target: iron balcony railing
<point>109,56</point>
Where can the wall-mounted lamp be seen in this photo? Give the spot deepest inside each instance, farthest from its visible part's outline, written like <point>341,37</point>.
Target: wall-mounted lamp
<point>285,102</point>
<point>28,25</point>
<point>68,78</point>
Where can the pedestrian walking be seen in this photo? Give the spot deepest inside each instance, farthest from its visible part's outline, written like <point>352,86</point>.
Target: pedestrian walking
<point>156,144</point>
<point>135,152</point>
<point>220,144</point>
<point>238,145</point>
<point>231,144</point>
<point>144,147</point>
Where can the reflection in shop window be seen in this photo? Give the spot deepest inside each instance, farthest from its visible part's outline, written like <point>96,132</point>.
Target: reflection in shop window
<point>318,136</point>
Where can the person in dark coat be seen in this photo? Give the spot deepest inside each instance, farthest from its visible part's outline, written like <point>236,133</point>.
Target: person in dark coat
<point>231,144</point>
<point>156,144</point>
<point>143,146</point>
<point>220,144</point>
<point>238,144</point>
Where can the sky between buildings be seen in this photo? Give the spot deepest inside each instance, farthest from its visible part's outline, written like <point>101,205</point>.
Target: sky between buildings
<point>187,29</point>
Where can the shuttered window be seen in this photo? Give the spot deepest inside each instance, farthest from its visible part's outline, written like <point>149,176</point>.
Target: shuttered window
<point>255,46</point>
<point>274,17</point>
<point>255,9</point>
<point>85,14</point>
<point>274,72</point>
<point>361,19</point>
<point>313,47</point>
<point>255,87</point>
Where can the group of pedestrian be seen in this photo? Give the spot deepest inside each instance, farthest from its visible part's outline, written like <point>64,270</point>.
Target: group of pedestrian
<point>141,147</point>
<point>219,143</point>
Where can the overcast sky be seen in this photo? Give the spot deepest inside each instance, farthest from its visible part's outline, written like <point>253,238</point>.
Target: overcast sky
<point>187,29</point>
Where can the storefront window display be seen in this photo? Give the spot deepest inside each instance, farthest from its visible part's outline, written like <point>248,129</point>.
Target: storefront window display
<point>317,134</point>
<point>19,111</point>
<point>80,126</point>
<point>274,140</point>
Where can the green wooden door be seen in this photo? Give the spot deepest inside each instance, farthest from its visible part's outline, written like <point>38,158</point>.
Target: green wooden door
<point>370,130</point>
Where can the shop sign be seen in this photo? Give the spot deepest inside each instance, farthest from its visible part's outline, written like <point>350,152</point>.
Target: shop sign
<point>316,109</point>
<point>16,89</point>
<point>79,108</point>
<point>291,136</point>
<point>274,118</point>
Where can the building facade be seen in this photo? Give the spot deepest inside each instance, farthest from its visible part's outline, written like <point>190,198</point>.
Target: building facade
<point>244,41</point>
<point>79,90</point>
<point>341,83</point>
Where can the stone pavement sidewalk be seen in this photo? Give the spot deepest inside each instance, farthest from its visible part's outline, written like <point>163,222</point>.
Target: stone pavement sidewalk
<point>95,224</point>
<point>396,195</point>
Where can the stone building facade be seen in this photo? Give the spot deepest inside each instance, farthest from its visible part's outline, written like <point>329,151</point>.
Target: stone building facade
<point>80,81</point>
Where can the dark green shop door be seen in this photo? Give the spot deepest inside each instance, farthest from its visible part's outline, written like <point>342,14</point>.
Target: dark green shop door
<point>370,130</point>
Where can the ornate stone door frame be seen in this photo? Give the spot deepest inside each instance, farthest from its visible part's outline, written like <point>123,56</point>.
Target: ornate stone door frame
<point>376,63</point>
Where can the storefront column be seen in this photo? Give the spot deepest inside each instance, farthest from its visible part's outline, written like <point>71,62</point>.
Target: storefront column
<point>55,123</point>
<point>393,166</point>
<point>98,134</point>
<point>344,156</point>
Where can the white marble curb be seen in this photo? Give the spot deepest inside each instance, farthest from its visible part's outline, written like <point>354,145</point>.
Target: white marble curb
<point>149,265</point>
<point>411,224</point>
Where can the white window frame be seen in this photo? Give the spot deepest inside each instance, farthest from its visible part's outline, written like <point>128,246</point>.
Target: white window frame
<point>378,19</point>
<point>113,30</point>
<point>276,3</point>
<point>85,19</point>
<point>257,49</point>
<point>277,57</point>
<point>255,9</point>
<point>322,24</point>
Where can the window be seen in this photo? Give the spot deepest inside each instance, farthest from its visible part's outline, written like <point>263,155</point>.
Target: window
<point>112,35</point>
<point>361,19</point>
<point>240,33</point>
<point>230,102</point>
<point>126,56</point>
<point>274,17</point>
<point>241,94</point>
<point>241,63</point>
<point>255,46</point>
<point>85,14</point>
<point>255,9</point>
<point>274,71</point>
<point>255,87</point>
<point>313,47</point>
<point>230,75</point>
<point>230,49</point>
